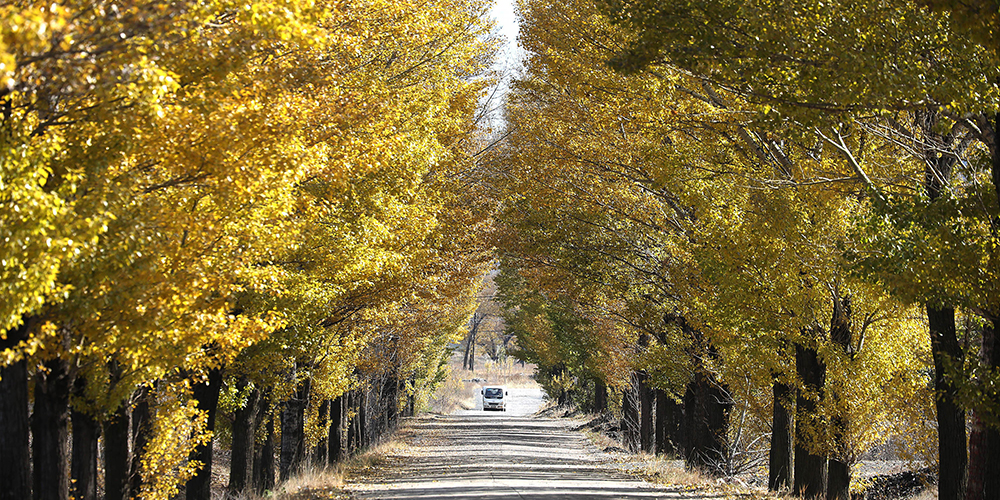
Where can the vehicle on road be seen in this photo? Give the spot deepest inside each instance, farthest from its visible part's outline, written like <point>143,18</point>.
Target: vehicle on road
<point>494,398</point>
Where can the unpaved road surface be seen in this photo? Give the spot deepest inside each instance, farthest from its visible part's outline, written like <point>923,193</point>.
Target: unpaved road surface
<point>500,455</point>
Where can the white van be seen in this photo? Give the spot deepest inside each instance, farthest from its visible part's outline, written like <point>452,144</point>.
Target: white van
<point>494,398</point>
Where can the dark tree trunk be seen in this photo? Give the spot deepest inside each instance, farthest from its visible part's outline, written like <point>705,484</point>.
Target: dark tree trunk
<point>669,419</point>
<point>810,469</point>
<point>50,433</point>
<point>411,399</point>
<point>116,457</point>
<point>244,424</point>
<point>706,420</point>
<point>352,422</point>
<point>337,414</point>
<point>15,451</point>
<point>393,409</point>
<point>952,452</point>
<point>199,487</point>
<point>263,463</point>
<point>953,474</point>
<point>600,396</point>
<point>86,434</point>
<point>645,414</point>
<point>984,445</point>
<point>320,453</point>
<point>141,433</point>
<point>630,415</point>
<point>838,486</point>
<point>779,475</point>
<point>660,426</point>
<point>363,423</point>
<point>838,480</point>
<point>978,449</point>
<point>293,438</point>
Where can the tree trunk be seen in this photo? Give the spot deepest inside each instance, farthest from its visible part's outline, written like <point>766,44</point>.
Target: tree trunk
<point>706,421</point>
<point>83,472</point>
<point>50,433</point>
<point>838,485</point>
<point>83,468</point>
<point>363,423</point>
<point>669,419</point>
<point>630,416</point>
<point>293,438</point>
<point>978,449</point>
<point>600,396</point>
<point>838,480</point>
<point>116,456</point>
<point>645,414</point>
<point>244,423</point>
<point>351,424</point>
<point>199,487</point>
<point>411,398</point>
<point>953,474</point>
<point>810,469</point>
<point>141,433</point>
<point>660,426</point>
<point>393,409</point>
<point>320,453</point>
<point>263,463</point>
<point>337,430</point>
<point>989,457</point>
<point>471,349</point>
<point>779,474</point>
<point>15,450</point>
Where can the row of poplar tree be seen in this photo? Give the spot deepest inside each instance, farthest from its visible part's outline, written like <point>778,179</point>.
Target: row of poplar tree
<point>254,218</point>
<point>772,226</point>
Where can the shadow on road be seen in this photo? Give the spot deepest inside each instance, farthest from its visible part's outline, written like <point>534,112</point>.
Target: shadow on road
<point>475,456</point>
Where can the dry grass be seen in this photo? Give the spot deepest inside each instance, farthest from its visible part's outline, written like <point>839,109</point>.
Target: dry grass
<point>667,471</point>
<point>315,483</point>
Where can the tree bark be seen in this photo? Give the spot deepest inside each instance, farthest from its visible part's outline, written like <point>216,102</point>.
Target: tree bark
<point>244,424</point>
<point>263,463</point>
<point>411,398</point>
<point>15,451</point>
<point>363,423</point>
<point>984,442</point>
<point>810,469</point>
<point>50,433</point>
<point>706,420</point>
<point>116,456</point>
<point>293,438</point>
<point>630,415</point>
<point>320,453</point>
<point>600,396</point>
<point>86,433</point>
<point>352,422</point>
<point>141,434</point>
<point>660,425</point>
<point>669,419</point>
<point>199,487</point>
<point>779,474</point>
<point>336,440</point>
<point>838,485</point>
<point>953,473</point>
<point>645,414</point>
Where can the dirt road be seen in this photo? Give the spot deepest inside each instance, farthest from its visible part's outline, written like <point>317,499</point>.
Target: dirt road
<point>500,455</point>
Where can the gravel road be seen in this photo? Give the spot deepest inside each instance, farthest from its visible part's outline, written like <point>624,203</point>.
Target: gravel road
<point>501,455</point>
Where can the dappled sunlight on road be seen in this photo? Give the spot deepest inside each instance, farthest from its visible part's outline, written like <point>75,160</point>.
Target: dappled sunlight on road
<point>491,455</point>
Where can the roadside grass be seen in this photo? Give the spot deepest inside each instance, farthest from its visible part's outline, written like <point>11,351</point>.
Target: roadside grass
<point>317,483</point>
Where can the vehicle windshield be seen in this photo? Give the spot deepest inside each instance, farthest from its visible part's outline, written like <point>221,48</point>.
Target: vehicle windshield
<point>493,393</point>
